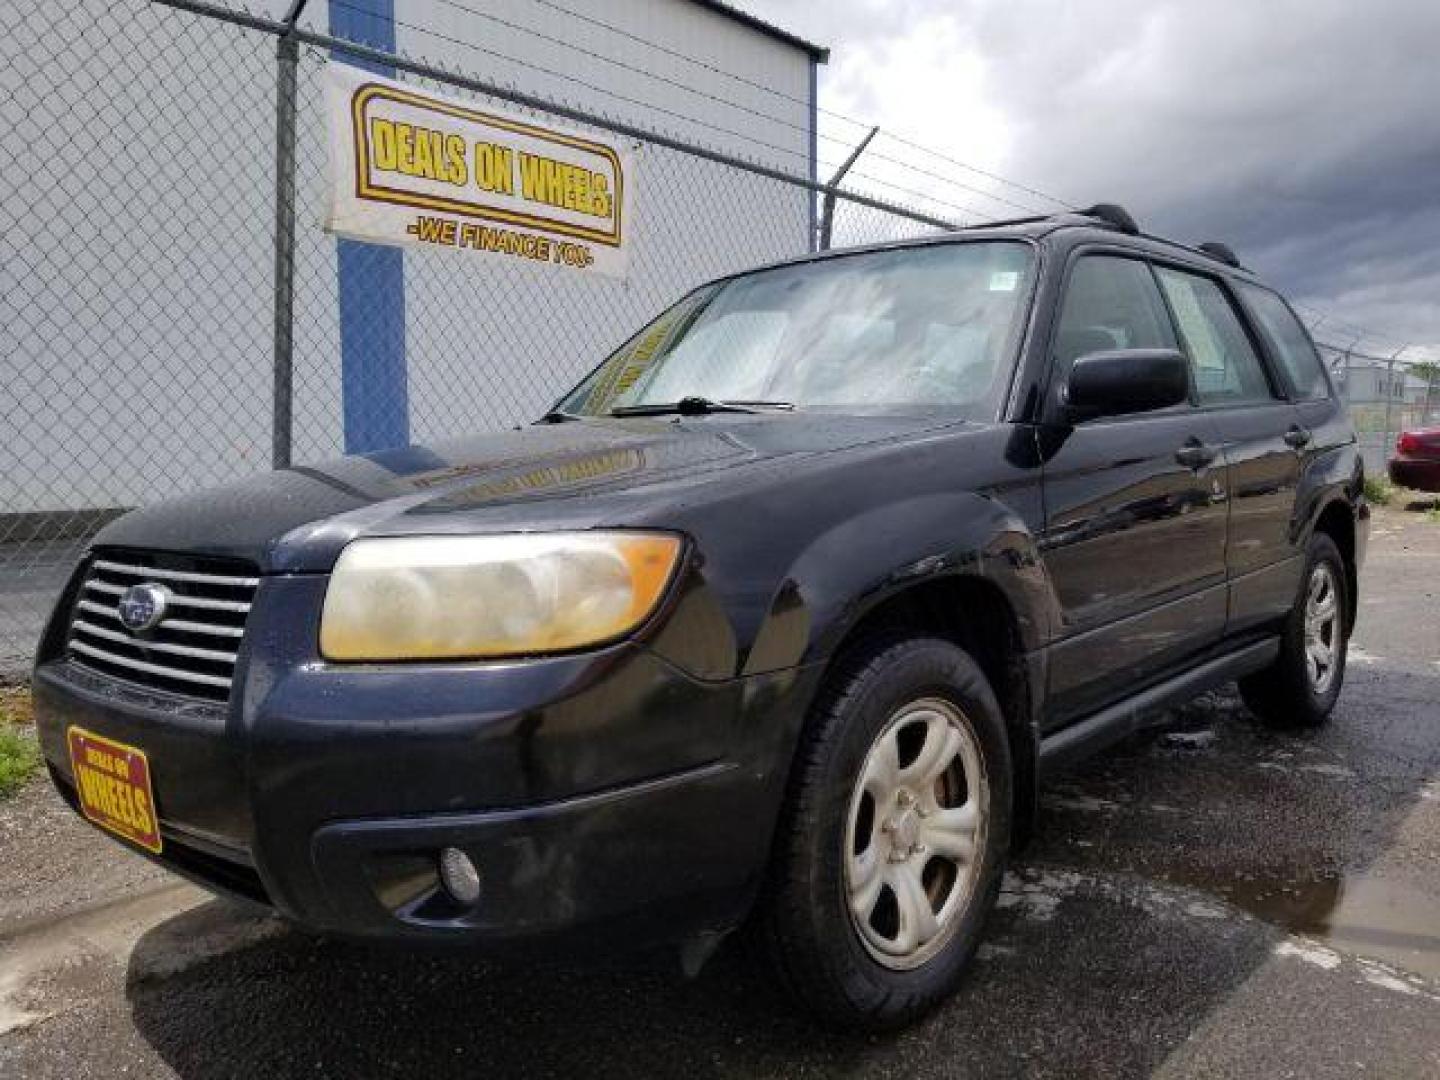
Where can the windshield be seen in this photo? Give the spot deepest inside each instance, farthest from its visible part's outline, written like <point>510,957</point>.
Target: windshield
<point>925,326</point>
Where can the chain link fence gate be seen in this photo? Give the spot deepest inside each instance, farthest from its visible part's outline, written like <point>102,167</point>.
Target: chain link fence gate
<point>160,331</point>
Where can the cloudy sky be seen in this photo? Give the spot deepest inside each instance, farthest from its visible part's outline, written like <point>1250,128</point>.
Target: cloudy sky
<point>1306,133</point>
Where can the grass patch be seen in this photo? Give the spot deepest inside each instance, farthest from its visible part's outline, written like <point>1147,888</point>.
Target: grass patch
<point>19,754</point>
<point>1378,491</point>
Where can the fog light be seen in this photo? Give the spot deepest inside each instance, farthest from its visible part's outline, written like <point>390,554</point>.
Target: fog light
<point>459,876</point>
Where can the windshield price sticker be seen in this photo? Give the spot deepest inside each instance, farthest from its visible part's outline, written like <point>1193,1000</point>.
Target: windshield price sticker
<point>412,168</point>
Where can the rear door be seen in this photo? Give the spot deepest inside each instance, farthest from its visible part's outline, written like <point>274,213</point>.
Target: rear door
<point>1262,437</point>
<point>1321,415</point>
<point>1134,537</point>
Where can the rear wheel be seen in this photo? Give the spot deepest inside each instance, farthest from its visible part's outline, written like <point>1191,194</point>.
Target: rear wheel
<point>1301,687</point>
<point>894,840</point>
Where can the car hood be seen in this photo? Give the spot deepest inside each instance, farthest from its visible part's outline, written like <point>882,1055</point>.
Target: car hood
<point>578,474</point>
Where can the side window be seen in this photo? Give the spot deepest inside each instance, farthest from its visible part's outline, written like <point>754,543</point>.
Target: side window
<point>1227,371</point>
<point>1287,338</point>
<point>1110,303</point>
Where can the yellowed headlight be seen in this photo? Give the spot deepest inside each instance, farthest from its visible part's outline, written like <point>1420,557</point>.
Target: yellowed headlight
<point>449,597</point>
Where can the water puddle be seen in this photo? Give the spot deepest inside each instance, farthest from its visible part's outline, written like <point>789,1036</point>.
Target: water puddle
<point>1360,914</point>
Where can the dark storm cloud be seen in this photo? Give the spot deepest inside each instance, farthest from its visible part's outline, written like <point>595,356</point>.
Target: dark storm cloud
<point>1306,134</point>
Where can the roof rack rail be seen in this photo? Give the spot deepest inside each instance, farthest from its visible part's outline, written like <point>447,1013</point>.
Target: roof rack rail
<point>1220,253</point>
<point>1113,214</point>
<point>1120,219</point>
<point>1005,222</point>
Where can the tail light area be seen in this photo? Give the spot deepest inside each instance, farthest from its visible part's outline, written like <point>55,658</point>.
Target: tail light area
<point>1418,443</point>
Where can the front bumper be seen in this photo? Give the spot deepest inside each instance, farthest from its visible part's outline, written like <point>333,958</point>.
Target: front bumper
<point>604,788</point>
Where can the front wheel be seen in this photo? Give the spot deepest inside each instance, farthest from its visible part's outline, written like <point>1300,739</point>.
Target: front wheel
<point>893,843</point>
<point>1301,687</point>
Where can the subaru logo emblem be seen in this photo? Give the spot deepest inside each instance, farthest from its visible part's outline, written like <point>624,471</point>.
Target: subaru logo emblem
<point>143,606</point>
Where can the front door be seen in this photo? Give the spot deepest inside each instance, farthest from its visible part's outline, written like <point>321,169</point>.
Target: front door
<point>1135,509</point>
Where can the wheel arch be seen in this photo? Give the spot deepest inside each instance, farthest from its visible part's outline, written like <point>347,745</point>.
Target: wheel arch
<point>974,613</point>
<point>903,566</point>
<point>1336,520</point>
<point>853,567</point>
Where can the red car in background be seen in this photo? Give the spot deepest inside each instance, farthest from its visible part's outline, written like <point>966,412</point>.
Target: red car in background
<point>1416,463</point>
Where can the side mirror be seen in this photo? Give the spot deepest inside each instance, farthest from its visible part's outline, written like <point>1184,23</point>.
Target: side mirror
<point>1121,381</point>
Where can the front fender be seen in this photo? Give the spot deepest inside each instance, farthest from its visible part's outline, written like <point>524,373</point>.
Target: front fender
<point>859,563</point>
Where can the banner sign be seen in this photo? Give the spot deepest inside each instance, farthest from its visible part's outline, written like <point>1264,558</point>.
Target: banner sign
<point>408,167</point>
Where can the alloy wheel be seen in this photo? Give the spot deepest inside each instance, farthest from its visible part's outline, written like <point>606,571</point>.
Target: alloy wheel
<point>1322,628</point>
<point>916,830</point>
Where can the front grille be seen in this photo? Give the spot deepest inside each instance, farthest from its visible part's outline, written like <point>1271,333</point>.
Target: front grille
<point>192,650</point>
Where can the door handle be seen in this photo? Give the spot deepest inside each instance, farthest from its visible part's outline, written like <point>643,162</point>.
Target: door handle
<point>1195,454</point>
<point>1297,438</point>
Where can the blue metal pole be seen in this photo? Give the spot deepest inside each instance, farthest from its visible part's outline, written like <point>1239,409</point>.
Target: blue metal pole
<point>371,279</point>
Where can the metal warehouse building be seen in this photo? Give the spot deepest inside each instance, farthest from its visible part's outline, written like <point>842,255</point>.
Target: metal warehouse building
<point>136,325</point>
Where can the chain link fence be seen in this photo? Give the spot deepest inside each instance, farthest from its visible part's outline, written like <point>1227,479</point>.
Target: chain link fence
<point>138,284</point>
<point>1386,395</point>
<point>139,298</point>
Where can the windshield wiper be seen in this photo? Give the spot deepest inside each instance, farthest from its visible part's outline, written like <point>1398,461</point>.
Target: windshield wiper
<point>557,416</point>
<point>698,406</point>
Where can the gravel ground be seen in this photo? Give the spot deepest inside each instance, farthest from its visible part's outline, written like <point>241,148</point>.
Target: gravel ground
<point>1211,899</point>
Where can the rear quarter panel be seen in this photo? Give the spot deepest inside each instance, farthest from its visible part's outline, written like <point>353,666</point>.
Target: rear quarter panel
<point>1332,468</point>
<point>1333,473</point>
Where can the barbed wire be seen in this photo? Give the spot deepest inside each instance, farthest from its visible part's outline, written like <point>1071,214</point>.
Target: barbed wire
<point>728,103</point>
<point>862,125</point>
<point>1349,329</point>
<point>1318,317</point>
<point>686,118</point>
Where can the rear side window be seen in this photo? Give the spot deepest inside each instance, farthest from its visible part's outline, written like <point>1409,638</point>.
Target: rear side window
<point>1289,342</point>
<point>1226,368</point>
<point>1110,303</point>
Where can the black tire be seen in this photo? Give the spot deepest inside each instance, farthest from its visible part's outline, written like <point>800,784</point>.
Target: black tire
<point>1284,695</point>
<point>804,919</point>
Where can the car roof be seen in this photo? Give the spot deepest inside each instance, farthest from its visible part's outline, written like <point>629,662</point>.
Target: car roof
<point>1069,229</point>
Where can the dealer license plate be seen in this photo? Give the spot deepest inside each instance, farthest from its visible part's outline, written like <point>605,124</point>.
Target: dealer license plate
<point>113,783</point>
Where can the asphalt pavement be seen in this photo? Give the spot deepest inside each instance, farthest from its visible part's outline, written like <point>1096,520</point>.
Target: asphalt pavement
<point>1210,899</point>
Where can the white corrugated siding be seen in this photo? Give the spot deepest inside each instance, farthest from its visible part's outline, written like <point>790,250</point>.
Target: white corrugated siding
<point>138,339</point>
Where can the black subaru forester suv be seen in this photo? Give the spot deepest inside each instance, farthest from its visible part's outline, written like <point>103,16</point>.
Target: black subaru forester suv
<point>780,616</point>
